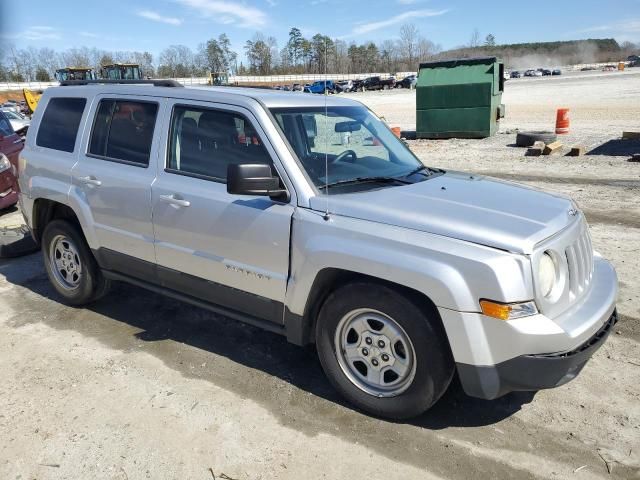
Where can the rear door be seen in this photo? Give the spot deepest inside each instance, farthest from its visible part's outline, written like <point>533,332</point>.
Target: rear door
<point>227,249</point>
<point>114,173</point>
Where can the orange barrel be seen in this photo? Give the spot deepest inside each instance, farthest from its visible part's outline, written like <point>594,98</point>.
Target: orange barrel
<point>562,121</point>
<point>396,131</point>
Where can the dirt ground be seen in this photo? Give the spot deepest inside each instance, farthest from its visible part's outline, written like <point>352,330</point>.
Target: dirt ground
<point>141,386</point>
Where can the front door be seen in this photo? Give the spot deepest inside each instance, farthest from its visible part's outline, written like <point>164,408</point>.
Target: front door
<point>227,249</point>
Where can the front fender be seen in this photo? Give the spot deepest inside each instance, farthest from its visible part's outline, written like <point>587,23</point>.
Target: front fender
<point>453,273</point>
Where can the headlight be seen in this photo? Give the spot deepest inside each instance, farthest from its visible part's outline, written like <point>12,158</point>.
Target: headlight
<point>5,164</point>
<point>547,274</point>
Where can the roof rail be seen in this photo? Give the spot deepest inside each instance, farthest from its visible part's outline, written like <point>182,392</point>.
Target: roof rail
<point>155,83</point>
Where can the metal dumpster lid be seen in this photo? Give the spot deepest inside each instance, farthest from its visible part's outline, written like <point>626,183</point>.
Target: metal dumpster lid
<point>454,62</point>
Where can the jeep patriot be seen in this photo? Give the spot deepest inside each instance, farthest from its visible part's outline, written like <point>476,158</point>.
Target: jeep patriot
<point>304,215</point>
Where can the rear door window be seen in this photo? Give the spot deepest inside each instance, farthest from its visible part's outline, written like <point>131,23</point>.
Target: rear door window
<point>123,131</point>
<point>59,125</point>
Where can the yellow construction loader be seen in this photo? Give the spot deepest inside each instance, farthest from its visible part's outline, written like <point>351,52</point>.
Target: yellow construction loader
<point>75,73</point>
<point>219,79</point>
<point>121,71</point>
<point>31,97</point>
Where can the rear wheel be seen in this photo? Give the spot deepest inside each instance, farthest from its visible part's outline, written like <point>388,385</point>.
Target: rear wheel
<point>70,265</point>
<point>381,351</point>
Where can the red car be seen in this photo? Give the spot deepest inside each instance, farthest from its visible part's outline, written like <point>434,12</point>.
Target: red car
<point>10,147</point>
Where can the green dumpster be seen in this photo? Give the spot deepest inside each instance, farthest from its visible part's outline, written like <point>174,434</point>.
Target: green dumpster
<point>459,98</point>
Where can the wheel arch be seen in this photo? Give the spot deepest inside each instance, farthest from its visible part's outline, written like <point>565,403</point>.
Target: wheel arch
<point>45,210</point>
<point>301,329</point>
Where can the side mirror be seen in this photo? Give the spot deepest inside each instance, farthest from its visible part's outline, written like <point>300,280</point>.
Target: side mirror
<point>254,179</point>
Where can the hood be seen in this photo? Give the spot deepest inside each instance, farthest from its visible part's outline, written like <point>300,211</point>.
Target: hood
<point>468,207</point>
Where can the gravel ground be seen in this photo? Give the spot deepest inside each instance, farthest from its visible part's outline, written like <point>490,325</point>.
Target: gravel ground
<point>141,386</point>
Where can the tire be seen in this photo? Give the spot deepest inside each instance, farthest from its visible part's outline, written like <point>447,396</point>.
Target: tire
<point>417,352</point>
<point>527,139</point>
<point>70,265</point>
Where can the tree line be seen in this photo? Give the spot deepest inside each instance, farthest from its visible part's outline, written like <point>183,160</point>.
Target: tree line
<point>261,55</point>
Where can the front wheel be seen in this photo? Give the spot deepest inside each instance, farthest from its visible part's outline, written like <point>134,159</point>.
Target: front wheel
<point>381,351</point>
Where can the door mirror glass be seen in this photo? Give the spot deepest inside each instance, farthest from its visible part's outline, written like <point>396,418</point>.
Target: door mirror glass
<point>253,179</point>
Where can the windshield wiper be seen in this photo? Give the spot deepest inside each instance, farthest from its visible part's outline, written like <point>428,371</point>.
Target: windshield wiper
<point>420,169</point>
<point>357,180</point>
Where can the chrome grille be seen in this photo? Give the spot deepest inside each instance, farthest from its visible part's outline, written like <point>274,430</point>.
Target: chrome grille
<point>580,261</point>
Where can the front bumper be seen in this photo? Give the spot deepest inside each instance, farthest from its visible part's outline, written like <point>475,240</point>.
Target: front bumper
<point>494,357</point>
<point>531,372</point>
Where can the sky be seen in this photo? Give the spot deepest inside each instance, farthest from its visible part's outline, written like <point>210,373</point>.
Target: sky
<point>151,25</point>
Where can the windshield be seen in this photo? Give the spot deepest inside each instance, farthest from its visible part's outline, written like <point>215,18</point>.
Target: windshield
<point>354,142</point>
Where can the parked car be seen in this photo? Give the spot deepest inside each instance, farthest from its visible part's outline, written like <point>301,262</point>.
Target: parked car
<point>544,72</point>
<point>378,83</point>
<point>530,73</point>
<point>297,87</point>
<point>609,68</point>
<point>357,85</point>
<point>19,123</point>
<point>516,74</point>
<point>10,107</point>
<point>321,86</point>
<point>506,75</point>
<point>10,146</point>
<point>8,184</point>
<point>409,81</point>
<point>556,71</point>
<point>587,69</point>
<point>308,230</point>
<point>344,86</point>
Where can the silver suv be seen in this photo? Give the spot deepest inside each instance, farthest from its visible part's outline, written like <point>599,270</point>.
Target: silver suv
<point>306,216</point>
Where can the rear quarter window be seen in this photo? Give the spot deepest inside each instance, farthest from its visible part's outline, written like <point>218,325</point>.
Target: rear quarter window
<point>59,125</point>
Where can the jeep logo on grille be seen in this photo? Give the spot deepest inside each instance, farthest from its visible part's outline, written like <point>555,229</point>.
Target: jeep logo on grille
<point>572,212</point>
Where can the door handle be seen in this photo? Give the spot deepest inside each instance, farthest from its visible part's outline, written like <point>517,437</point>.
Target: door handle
<point>175,200</point>
<point>91,180</point>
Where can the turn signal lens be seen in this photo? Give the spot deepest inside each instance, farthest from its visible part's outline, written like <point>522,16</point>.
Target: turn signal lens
<point>507,311</point>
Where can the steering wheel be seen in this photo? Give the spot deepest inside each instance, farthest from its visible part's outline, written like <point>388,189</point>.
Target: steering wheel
<point>345,154</point>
